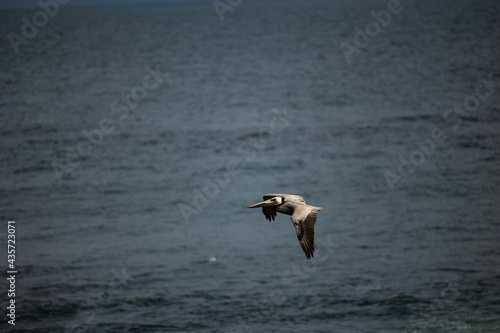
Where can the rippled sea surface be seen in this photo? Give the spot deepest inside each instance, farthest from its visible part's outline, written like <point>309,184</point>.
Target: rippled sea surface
<point>148,232</point>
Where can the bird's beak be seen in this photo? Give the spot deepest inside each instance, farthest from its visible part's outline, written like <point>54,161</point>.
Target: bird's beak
<point>269,202</point>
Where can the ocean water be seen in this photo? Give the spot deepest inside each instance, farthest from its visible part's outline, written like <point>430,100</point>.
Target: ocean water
<point>148,230</point>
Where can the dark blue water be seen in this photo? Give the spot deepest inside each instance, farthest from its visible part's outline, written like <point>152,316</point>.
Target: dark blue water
<point>144,227</point>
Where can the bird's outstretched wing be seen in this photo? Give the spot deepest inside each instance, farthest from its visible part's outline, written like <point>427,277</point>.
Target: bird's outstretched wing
<point>270,212</point>
<point>304,219</point>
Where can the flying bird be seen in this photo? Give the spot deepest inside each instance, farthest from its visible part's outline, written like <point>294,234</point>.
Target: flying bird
<point>303,216</point>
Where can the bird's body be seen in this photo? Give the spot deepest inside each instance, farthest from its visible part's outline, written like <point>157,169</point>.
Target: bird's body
<point>303,216</point>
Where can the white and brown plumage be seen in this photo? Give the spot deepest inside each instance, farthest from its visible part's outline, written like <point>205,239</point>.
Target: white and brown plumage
<point>303,216</point>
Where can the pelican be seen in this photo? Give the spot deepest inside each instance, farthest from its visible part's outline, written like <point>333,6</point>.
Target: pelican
<point>303,216</point>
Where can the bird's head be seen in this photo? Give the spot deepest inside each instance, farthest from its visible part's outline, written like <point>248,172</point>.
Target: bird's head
<point>274,201</point>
